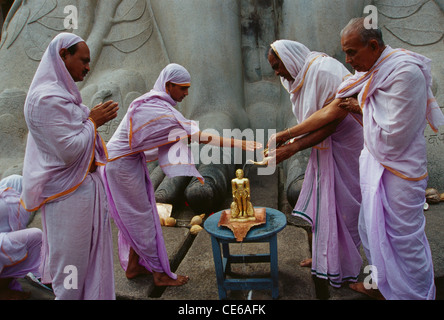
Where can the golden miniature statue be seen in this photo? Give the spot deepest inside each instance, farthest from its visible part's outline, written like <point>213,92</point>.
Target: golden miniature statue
<point>241,207</point>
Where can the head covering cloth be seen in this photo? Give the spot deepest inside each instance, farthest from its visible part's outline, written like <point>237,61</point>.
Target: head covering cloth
<point>331,211</point>
<point>154,126</point>
<point>151,130</point>
<point>307,94</point>
<point>62,142</point>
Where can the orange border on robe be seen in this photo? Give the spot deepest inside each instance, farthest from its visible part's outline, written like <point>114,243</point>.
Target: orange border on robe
<point>400,175</point>
<point>12,260</point>
<point>373,71</point>
<point>58,195</point>
<point>140,128</point>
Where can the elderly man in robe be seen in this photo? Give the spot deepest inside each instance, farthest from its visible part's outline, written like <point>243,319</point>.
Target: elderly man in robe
<point>330,197</point>
<point>20,246</point>
<point>62,152</point>
<point>152,130</point>
<point>394,93</point>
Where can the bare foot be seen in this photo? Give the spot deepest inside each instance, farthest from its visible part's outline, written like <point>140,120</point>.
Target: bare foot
<point>161,279</point>
<point>372,293</point>
<point>136,270</point>
<point>306,263</point>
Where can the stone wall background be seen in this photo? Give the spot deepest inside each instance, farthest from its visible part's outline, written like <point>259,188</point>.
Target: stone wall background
<point>223,43</point>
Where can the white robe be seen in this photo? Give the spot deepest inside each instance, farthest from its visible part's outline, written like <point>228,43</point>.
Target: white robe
<point>330,197</point>
<point>397,102</point>
<point>20,246</point>
<point>147,133</point>
<point>62,145</point>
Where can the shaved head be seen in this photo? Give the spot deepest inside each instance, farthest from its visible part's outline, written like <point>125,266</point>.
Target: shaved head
<point>358,25</point>
<point>362,46</point>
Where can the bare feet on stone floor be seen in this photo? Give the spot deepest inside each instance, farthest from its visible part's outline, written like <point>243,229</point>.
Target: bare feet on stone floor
<point>161,279</point>
<point>136,271</point>
<point>372,293</point>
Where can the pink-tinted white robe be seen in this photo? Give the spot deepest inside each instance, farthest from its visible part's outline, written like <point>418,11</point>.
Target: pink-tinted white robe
<point>19,246</point>
<point>62,145</point>
<point>397,102</point>
<point>147,133</point>
<point>330,197</point>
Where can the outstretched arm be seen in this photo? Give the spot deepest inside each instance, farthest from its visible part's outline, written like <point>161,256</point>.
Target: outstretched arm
<point>321,118</point>
<point>312,139</point>
<point>218,141</point>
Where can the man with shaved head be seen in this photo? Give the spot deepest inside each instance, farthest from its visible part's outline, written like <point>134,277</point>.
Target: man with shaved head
<point>393,89</point>
<point>59,174</point>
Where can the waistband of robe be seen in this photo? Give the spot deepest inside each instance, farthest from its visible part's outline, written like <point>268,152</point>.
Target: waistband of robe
<point>397,173</point>
<point>402,176</point>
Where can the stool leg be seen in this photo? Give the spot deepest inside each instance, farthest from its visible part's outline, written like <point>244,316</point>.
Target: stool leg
<point>226,256</point>
<point>219,268</point>
<point>274,267</point>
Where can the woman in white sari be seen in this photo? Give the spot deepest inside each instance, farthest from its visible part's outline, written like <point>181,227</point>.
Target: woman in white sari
<point>152,130</point>
<point>330,196</point>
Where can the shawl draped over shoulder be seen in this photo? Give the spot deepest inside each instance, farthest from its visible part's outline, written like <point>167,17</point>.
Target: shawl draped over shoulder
<point>62,142</point>
<point>152,125</point>
<point>396,114</point>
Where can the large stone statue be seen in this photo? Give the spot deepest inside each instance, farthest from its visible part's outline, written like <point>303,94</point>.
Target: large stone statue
<point>118,41</point>
<point>224,45</point>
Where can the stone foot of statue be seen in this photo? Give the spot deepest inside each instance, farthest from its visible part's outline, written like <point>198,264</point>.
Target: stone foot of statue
<point>171,190</point>
<point>208,196</point>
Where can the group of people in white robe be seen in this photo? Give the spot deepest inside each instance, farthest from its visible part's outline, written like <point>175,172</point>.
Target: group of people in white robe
<point>365,131</point>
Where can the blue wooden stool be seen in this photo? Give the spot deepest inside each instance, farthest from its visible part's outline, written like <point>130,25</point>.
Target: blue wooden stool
<point>275,222</point>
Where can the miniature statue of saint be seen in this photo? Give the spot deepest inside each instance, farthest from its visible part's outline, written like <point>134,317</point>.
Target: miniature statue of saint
<point>241,207</point>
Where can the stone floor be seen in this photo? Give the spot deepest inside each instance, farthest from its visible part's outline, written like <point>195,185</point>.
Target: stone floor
<point>192,255</point>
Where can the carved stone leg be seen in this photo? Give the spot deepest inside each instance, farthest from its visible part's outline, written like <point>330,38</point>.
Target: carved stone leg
<point>171,189</point>
<point>294,169</point>
<point>203,198</point>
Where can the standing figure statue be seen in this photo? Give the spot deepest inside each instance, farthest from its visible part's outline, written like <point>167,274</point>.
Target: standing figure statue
<point>241,207</point>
